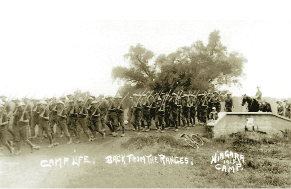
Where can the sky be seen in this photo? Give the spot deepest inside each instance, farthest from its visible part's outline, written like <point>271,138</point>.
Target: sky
<point>52,47</point>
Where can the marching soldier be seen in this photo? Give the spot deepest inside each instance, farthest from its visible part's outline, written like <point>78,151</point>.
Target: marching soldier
<point>110,115</point>
<point>3,129</point>
<point>228,103</point>
<point>160,115</point>
<point>53,118</point>
<point>174,111</point>
<point>130,112</point>
<point>192,109</point>
<point>103,110</point>
<point>44,122</point>
<point>119,110</point>
<point>72,118</point>
<point>95,119</point>
<point>20,125</point>
<point>81,112</point>
<point>61,120</point>
<point>145,114</point>
<point>152,107</point>
<point>35,120</point>
<point>185,114</point>
<point>137,113</point>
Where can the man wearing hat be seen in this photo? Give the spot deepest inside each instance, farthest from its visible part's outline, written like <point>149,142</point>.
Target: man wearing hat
<point>61,120</point>
<point>95,119</point>
<point>35,121</point>
<point>44,122</point>
<point>70,97</point>
<point>152,107</point>
<point>81,120</point>
<point>130,112</point>
<point>173,118</point>
<point>160,112</point>
<point>110,113</point>
<point>280,108</point>
<point>192,109</point>
<point>119,116</point>
<point>3,128</point>
<point>103,106</point>
<point>71,118</point>
<point>145,114</point>
<point>185,114</point>
<point>20,125</point>
<point>258,94</point>
<point>228,103</point>
<point>137,113</point>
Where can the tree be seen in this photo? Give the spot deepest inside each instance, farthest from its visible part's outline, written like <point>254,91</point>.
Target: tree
<point>197,67</point>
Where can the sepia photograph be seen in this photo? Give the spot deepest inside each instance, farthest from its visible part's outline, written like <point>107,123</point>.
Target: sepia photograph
<point>145,94</point>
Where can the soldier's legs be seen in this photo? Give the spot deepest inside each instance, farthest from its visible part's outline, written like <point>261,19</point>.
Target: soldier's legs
<point>3,137</point>
<point>121,121</point>
<point>97,124</point>
<point>63,127</point>
<point>138,121</point>
<point>108,122</point>
<point>46,128</point>
<point>81,125</point>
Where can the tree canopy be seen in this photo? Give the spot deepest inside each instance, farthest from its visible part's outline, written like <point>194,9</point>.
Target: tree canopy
<point>197,67</point>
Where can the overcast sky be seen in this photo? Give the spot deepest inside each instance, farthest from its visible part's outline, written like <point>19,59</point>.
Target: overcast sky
<point>49,47</point>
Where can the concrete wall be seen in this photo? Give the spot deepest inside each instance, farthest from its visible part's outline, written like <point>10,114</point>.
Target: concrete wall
<point>234,122</point>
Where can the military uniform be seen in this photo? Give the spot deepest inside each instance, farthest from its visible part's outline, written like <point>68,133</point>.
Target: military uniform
<point>81,122</point>
<point>61,121</point>
<point>110,116</point>
<point>192,109</point>
<point>72,119</point>
<point>145,116</point>
<point>103,110</point>
<point>4,130</point>
<point>185,114</point>
<point>287,109</point>
<point>152,107</point>
<point>130,113</point>
<point>228,104</point>
<point>160,112</point>
<point>280,109</point>
<point>95,120</point>
<point>119,115</point>
<point>44,123</point>
<point>137,115</point>
<point>174,112</point>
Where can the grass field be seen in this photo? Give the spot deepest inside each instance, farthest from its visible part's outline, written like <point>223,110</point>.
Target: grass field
<point>266,162</point>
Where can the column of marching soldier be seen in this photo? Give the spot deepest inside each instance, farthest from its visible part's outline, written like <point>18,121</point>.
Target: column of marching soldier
<point>72,115</point>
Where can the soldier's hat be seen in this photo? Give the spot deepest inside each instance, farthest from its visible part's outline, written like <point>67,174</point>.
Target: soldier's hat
<point>159,99</point>
<point>151,96</point>
<point>62,97</point>
<point>80,100</point>
<point>144,95</point>
<point>3,96</point>
<point>213,108</point>
<point>94,102</point>
<point>69,95</point>
<point>21,104</point>
<point>184,96</point>
<point>191,95</point>
<point>42,102</point>
<point>162,93</point>
<point>93,97</point>
<point>130,97</point>
<point>174,94</point>
<point>60,102</point>
<point>215,92</point>
<point>90,98</point>
<point>279,101</point>
<point>70,101</point>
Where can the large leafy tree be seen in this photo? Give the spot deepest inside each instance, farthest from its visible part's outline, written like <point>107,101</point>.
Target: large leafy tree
<point>197,67</point>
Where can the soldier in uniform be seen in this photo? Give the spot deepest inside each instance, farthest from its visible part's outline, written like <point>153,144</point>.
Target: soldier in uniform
<point>20,125</point>
<point>95,119</point>
<point>130,112</point>
<point>110,115</point>
<point>185,115</point>
<point>192,109</point>
<point>44,122</point>
<point>81,112</point>
<point>216,102</point>
<point>152,107</point>
<point>3,129</point>
<point>174,111</point>
<point>259,94</point>
<point>35,121</point>
<point>203,109</point>
<point>61,120</point>
<point>280,108</point>
<point>228,103</point>
<point>119,116</point>
<point>53,118</point>
<point>160,112</point>
<point>145,114</point>
<point>72,118</point>
<point>103,110</point>
<point>137,113</point>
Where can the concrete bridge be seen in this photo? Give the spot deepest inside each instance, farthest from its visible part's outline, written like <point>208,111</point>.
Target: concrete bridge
<point>233,122</point>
